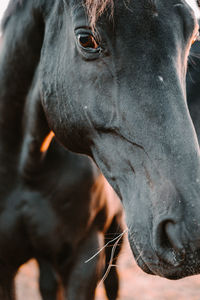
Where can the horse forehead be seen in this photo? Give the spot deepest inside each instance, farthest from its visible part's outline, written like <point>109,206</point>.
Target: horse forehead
<point>79,9</point>
<point>195,7</point>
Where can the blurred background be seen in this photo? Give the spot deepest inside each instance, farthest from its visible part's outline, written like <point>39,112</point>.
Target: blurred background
<point>135,284</point>
<point>3,5</point>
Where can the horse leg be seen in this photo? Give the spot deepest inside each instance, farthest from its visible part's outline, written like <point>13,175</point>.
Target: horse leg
<point>48,281</point>
<point>84,276</point>
<point>111,281</point>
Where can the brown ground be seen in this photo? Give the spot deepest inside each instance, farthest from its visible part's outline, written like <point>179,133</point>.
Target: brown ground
<point>135,284</point>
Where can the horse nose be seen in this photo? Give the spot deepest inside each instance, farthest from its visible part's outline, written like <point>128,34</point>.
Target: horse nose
<point>168,244</point>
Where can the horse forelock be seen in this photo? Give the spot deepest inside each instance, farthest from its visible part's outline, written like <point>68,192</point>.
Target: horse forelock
<point>96,8</point>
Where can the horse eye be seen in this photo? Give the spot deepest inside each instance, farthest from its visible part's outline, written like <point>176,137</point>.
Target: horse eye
<point>87,41</point>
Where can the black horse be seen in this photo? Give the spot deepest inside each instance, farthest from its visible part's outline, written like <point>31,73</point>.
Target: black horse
<point>109,81</point>
<point>56,207</point>
<point>60,210</point>
<point>66,223</point>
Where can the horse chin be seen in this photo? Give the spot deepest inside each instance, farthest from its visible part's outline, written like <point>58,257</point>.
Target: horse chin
<point>144,266</point>
<point>174,273</point>
<point>160,268</point>
<point>169,273</point>
<point>190,266</point>
<point>139,260</point>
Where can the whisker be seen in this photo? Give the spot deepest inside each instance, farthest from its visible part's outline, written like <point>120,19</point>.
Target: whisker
<point>116,238</point>
<point>111,260</point>
<point>194,54</point>
<point>137,258</point>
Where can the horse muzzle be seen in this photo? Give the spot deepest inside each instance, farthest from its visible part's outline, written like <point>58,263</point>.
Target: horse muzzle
<point>171,257</point>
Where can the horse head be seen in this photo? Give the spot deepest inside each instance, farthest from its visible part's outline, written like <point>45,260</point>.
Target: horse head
<point>111,82</point>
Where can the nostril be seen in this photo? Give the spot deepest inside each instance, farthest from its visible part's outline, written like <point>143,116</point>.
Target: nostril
<point>168,243</point>
<point>173,236</point>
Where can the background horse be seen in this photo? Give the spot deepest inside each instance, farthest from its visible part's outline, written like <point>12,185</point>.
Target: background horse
<point>112,88</point>
<point>58,208</point>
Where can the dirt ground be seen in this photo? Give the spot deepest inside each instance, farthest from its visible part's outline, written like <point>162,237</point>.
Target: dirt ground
<point>135,284</point>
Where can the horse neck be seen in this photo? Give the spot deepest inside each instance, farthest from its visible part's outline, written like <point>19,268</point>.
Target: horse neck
<point>19,56</point>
